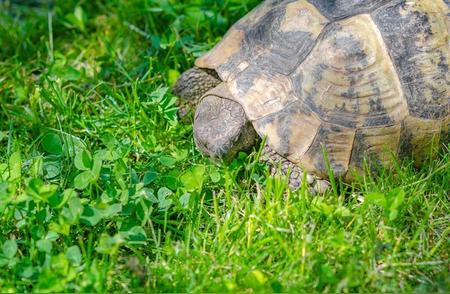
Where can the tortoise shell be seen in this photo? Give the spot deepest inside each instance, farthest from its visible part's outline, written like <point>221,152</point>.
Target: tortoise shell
<point>347,78</point>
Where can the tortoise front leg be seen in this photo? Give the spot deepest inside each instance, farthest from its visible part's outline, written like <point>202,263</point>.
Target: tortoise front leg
<point>278,164</point>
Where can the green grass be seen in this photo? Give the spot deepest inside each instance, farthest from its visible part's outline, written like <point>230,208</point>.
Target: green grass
<point>101,188</point>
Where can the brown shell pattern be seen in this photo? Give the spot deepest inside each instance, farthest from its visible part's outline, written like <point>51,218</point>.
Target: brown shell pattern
<point>353,80</point>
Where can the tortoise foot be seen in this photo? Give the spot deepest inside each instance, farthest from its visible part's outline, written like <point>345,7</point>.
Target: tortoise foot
<point>282,166</point>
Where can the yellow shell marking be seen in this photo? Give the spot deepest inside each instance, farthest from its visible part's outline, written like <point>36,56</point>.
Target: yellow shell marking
<point>337,142</point>
<point>349,81</point>
<point>230,45</point>
<point>423,134</point>
<point>269,92</point>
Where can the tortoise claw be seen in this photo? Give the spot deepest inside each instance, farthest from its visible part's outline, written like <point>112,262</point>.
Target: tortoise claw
<point>278,164</point>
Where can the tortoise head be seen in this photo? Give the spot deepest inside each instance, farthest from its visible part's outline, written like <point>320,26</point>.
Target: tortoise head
<point>221,127</point>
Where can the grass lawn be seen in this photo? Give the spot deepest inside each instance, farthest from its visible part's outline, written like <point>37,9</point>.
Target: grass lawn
<point>102,189</point>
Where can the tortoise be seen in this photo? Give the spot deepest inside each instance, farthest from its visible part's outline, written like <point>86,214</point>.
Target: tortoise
<point>327,83</point>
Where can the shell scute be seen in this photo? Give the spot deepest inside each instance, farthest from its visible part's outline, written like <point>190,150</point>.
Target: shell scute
<point>261,92</point>
<point>378,144</point>
<point>336,143</point>
<point>290,131</point>
<point>276,35</point>
<point>349,80</point>
<point>285,36</point>
<point>337,9</point>
<point>419,136</point>
<point>417,35</point>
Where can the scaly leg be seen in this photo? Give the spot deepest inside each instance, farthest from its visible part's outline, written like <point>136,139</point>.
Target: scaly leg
<point>278,164</point>
<point>192,85</point>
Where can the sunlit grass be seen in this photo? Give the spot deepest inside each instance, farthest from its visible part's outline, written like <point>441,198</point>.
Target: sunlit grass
<point>101,188</point>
